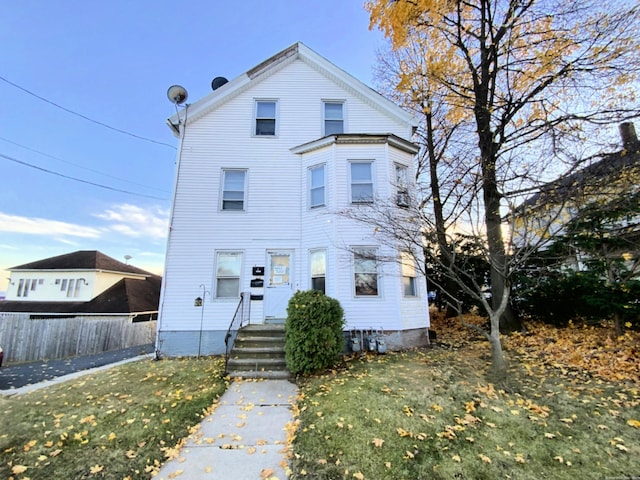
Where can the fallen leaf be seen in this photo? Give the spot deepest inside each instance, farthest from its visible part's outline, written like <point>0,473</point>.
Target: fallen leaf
<point>17,469</point>
<point>633,423</point>
<point>378,442</point>
<point>96,469</point>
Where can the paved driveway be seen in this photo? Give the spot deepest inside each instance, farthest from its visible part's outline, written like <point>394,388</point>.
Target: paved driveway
<point>20,375</point>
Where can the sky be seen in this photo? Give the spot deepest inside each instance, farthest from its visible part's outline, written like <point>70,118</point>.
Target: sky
<point>87,161</point>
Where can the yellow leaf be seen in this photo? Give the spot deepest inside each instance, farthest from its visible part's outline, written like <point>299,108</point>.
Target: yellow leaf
<point>549,435</point>
<point>622,448</point>
<point>378,442</point>
<point>559,458</point>
<point>633,423</point>
<point>456,458</point>
<point>208,469</point>
<point>96,469</point>
<point>17,469</point>
<point>387,464</point>
<point>358,476</point>
<point>112,436</point>
<point>484,458</point>
<point>519,458</point>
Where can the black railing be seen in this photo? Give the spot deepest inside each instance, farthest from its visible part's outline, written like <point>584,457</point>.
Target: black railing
<point>240,317</point>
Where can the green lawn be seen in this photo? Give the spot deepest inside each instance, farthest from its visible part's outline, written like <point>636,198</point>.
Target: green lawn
<point>432,415</point>
<point>116,424</point>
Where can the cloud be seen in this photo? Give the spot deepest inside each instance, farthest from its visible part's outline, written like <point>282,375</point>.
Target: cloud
<point>134,221</point>
<point>42,226</point>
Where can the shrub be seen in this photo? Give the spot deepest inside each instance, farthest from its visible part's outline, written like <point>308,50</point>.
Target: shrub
<point>313,332</point>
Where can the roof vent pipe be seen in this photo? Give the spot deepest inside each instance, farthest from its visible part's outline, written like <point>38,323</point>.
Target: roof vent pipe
<point>628,135</point>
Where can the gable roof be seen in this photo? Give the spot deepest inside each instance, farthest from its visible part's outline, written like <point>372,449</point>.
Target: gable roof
<point>128,296</point>
<point>297,51</point>
<point>82,260</point>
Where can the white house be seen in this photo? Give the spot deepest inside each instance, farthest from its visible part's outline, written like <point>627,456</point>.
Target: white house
<point>265,166</point>
<point>84,282</point>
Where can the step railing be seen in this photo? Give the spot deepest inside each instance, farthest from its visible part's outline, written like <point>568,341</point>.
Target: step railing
<point>240,318</point>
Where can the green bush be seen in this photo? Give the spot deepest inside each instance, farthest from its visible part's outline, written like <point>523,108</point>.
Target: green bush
<point>313,332</point>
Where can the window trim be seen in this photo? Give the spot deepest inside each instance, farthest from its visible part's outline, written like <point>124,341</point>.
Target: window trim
<point>408,269</point>
<point>223,177</point>
<point>216,277</point>
<point>372,250</point>
<point>352,183</point>
<point>311,274</point>
<point>276,123</point>
<point>402,187</point>
<point>342,103</point>
<point>313,168</point>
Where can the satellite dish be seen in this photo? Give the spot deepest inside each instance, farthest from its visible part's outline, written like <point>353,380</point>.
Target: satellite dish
<point>217,82</point>
<point>177,94</point>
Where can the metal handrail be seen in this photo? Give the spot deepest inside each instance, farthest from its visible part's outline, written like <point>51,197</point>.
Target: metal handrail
<point>242,313</point>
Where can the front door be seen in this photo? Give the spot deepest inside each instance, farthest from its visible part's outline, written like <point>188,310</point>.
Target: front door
<point>278,285</point>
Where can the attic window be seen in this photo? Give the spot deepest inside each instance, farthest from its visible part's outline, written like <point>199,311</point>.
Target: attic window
<point>265,119</point>
<point>333,118</point>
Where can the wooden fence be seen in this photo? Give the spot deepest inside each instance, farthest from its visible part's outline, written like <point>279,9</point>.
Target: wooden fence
<point>24,339</point>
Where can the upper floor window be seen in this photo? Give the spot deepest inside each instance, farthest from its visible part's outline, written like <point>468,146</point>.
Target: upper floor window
<point>318,260</point>
<point>402,185</point>
<point>265,124</point>
<point>361,182</point>
<point>317,184</point>
<point>333,118</point>
<point>365,269</point>
<point>408,265</point>
<point>233,189</point>
<point>228,268</point>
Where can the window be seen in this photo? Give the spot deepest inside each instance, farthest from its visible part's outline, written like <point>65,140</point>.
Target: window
<point>402,185</point>
<point>361,182</point>
<point>318,261</point>
<point>316,181</point>
<point>265,118</point>
<point>233,189</point>
<point>21,286</point>
<point>63,286</point>
<point>71,289</point>
<point>228,268</point>
<point>365,272</point>
<point>408,266</point>
<point>333,118</point>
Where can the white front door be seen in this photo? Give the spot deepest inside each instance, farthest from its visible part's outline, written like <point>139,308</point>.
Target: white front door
<point>278,284</point>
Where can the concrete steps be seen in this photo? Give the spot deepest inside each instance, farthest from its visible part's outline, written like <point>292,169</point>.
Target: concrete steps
<point>258,352</point>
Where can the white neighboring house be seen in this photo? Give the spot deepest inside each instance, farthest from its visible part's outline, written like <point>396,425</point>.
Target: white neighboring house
<point>84,282</point>
<point>265,164</point>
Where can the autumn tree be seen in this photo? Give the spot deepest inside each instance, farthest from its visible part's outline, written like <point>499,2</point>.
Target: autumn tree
<point>533,79</point>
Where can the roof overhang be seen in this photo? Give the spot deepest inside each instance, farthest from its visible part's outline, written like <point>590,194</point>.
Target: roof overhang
<point>358,139</point>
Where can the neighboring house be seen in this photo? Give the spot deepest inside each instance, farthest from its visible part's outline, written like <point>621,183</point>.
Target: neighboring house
<point>266,164</point>
<point>82,283</point>
<point>598,191</point>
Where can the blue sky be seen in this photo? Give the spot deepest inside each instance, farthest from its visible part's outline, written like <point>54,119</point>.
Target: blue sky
<point>112,61</point>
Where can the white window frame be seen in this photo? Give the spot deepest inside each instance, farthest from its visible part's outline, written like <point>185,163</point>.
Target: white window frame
<point>402,185</point>
<point>322,187</point>
<point>223,177</point>
<point>257,118</point>
<point>318,274</point>
<point>353,182</point>
<point>326,131</point>
<point>408,270</point>
<point>232,276</point>
<point>368,254</point>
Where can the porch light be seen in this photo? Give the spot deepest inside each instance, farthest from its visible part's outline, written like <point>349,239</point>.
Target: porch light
<point>197,302</point>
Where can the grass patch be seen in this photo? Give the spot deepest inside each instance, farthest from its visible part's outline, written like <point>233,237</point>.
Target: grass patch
<point>432,414</point>
<point>119,423</point>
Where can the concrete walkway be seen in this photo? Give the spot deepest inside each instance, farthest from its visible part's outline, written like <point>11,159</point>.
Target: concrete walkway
<point>245,438</point>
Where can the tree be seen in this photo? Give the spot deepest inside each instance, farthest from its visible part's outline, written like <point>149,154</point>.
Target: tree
<point>534,78</point>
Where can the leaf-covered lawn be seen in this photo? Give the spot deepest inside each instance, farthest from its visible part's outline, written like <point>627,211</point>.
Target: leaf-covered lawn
<point>432,414</point>
<point>119,423</point>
